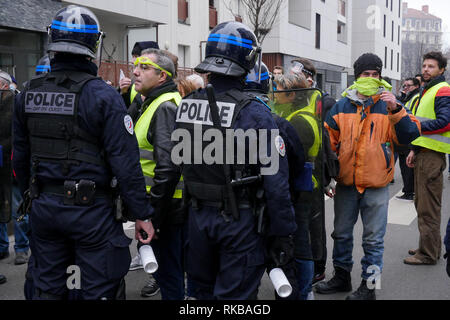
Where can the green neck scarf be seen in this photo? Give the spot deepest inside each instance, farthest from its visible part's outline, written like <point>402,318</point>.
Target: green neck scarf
<point>368,86</point>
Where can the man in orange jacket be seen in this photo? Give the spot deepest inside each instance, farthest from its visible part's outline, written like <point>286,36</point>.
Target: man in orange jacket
<point>363,127</point>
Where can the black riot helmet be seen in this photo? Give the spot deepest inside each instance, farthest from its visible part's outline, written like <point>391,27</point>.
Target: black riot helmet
<point>232,49</point>
<point>75,30</point>
<point>258,79</point>
<point>43,65</point>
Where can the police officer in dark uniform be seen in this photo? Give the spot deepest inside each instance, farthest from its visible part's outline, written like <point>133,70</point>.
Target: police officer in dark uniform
<point>75,131</point>
<point>257,83</point>
<point>225,253</point>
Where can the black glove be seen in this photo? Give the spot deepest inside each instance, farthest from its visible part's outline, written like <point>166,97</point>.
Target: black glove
<point>281,251</point>
<point>447,256</point>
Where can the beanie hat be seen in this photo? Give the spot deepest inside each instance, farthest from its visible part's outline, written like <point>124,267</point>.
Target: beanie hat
<point>368,61</point>
<point>141,46</point>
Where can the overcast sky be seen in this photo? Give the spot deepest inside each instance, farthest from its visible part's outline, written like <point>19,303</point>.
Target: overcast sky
<point>439,8</point>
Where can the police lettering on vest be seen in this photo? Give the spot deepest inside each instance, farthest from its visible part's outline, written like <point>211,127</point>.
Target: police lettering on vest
<point>196,111</point>
<point>50,102</point>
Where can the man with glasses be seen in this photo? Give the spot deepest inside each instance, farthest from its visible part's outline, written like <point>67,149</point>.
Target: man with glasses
<point>154,71</point>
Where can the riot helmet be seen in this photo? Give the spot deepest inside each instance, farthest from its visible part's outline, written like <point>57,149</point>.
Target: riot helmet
<point>76,30</point>
<point>258,79</point>
<point>43,65</point>
<point>232,49</point>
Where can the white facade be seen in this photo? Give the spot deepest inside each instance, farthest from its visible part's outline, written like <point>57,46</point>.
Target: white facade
<point>295,32</point>
<point>126,22</point>
<point>377,29</point>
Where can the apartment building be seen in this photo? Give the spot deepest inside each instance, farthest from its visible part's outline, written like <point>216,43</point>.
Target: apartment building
<point>377,29</point>
<point>23,29</point>
<point>421,33</point>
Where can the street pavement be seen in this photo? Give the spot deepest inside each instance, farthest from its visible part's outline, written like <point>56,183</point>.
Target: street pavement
<point>398,281</point>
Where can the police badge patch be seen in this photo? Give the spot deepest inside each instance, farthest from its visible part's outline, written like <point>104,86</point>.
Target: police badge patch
<point>280,145</point>
<point>128,122</point>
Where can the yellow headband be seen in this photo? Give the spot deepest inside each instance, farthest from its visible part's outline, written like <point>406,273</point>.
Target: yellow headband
<point>147,60</point>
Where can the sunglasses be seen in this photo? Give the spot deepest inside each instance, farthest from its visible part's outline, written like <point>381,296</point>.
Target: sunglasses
<point>147,61</point>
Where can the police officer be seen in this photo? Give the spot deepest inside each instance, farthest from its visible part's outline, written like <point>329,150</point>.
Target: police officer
<point>43,65</point>
<point>75,131</point>
<point>259,86</point>
<point>225,253</point>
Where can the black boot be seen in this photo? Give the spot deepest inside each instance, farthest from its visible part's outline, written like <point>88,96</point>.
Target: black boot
<point>341,282</point>
<point>363,293</point>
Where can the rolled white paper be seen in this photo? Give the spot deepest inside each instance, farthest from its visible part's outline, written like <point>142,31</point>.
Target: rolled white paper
<point>280,282</point>
<point>148,259</point>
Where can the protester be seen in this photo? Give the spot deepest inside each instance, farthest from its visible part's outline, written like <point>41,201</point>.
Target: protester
<point>428,158</point>
<point>362,126</point>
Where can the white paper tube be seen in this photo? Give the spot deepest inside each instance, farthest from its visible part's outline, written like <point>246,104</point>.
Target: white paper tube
<point>148,259</point>
<point>280,282</point>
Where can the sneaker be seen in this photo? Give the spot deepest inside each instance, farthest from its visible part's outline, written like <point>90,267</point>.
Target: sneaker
<point>363,293</point>
<point>150,289</point>
<point>21,258</point>
<point>4,255</point>
<point>406,197</point>
<point>136,263</point>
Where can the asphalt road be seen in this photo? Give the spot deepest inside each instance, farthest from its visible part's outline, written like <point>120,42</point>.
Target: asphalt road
<point>398,281</point>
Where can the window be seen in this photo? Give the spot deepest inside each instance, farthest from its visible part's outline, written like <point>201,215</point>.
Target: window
<point>341,7</point>
<point>183,11</point>
<point>317,31</point>
<point>385,57</point>
<point>384,27</point>
<point>398,34</point>
<point>341,32</point>
<point>437,26</point>
<point>300,13</point>
<point>417,24</point>
<point>392,5</point>
<point>213,15</point>
<point>428,25</point>
<point>392,59</point>
<point>183,56</point>
<point>387,3</point>
<point>399,8</point>
<point>392,35</point>
<point>398,62</point>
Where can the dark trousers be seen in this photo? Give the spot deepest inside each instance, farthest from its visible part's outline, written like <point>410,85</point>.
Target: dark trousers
<point>407,174</point>
<point>168,250</point>
<point>225,258</point>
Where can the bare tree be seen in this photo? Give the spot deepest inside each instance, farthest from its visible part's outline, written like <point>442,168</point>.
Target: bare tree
<point>261,14</point>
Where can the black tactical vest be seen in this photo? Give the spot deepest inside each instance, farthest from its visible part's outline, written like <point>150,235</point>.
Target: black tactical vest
<point>51,105</point>
<point>206,181</point>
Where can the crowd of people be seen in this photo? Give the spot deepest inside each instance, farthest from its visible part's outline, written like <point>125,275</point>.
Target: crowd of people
<point>215,228</point>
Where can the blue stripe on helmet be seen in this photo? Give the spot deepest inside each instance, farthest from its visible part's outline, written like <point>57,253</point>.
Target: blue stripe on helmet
<point>226,36</point>
<point>230,42</point>
<point>75,30</point>
<point>72,25</point>
<point>42,68</point>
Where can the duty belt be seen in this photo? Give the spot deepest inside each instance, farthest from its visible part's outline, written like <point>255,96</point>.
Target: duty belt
<point>77,193</point>
<point>210,195</point>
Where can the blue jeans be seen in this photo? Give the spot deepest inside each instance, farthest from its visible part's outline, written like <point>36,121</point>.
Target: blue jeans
<point>373,205</point>
<point>305,274</point>
<point>20,238</point>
